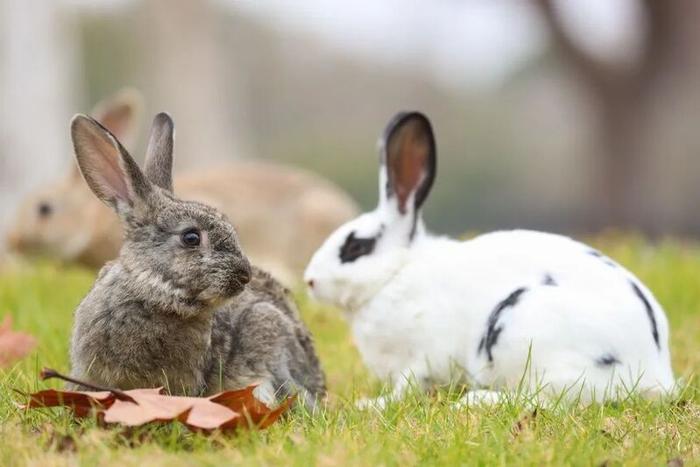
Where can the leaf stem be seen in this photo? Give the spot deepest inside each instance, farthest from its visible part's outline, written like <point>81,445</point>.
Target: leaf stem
<point>48,373</point>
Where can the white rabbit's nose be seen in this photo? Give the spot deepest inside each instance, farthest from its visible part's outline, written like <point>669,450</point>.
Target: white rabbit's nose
<point>310,283</point>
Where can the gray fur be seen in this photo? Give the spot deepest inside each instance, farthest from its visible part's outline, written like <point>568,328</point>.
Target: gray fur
<point>166,314</point>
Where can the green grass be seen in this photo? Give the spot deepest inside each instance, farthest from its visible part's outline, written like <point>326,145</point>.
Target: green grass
<point>423,429</point>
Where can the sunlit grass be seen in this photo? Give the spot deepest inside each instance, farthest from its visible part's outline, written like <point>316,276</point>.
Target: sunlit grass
<point>424,429</point>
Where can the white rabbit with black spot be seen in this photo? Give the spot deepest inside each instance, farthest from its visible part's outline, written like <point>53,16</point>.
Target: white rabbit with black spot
<point>508,309</point>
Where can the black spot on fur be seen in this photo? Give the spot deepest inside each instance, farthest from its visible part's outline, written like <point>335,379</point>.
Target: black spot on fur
<point>356,247</point>
<point>603,258</point>
<point>549,280</point>
<point>650,312</point>
<point>607,360</point>
<point>493,331</point>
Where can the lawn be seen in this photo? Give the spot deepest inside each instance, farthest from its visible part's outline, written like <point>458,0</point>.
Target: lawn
<point>420,430</point>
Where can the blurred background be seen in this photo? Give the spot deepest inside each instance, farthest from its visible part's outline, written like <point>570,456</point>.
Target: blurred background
<point>569,115</point>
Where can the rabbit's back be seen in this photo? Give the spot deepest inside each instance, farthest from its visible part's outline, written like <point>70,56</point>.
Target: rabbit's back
<point>491,303</point>
<point>486,270</point>
<point>261,336</point>
<point>526,258</point>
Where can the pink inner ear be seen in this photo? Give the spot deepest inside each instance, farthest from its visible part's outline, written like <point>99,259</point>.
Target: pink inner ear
<point>408,155</point>
<point>101,164</point>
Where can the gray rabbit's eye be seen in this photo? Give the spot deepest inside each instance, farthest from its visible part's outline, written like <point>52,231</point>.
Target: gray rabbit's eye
<point>191,237</point>
<point>44,209</point>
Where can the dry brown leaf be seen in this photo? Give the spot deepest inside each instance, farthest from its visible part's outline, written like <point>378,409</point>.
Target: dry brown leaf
<point>226,410</point>
<point>13,345</point>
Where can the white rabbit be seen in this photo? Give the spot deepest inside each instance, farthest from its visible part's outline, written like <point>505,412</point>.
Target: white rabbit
<point>507,308</point>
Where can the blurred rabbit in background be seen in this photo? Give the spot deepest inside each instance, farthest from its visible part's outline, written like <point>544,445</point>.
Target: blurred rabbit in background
<point>281,213</point>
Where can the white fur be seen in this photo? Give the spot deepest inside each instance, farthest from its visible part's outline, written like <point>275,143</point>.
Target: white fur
<point>419,307</point>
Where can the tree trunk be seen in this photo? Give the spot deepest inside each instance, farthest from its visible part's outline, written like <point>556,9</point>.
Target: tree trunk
<point>628,100</point>
<point>189,80</point>
<point>37,89</point>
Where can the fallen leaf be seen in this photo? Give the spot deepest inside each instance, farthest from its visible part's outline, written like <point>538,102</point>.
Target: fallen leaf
<point>135,407</point>
<point>13,345</point>
<point>82,403</point>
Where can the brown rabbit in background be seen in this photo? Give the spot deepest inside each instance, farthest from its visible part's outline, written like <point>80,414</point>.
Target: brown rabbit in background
<point>282,214</point>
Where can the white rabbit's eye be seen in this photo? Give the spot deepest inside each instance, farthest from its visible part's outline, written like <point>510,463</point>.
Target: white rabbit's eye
<point>355,247</point>
<point>44,209</point>
<point>191,237</point>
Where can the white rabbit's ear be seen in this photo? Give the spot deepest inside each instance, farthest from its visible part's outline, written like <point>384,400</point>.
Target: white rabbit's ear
<point>121,114</point>
<point>108,169</point>
<point>408,162</point>
<point>159,154</point>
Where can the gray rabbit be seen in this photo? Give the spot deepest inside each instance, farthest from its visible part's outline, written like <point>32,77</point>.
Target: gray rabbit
<point>181,306</point>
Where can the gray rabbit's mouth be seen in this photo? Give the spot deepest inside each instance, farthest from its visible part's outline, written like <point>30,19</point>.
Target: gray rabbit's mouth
<point>220,294</point>
<point>215,295</point>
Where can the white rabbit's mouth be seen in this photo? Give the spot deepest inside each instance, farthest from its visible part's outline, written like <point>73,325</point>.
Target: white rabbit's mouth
<point>335,293</point>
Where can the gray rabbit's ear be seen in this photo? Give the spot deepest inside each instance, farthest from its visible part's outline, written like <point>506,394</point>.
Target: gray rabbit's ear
<point>408,161</point>
<point>108,169</point>
<point>159,154</point>
<point>121,114</point>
